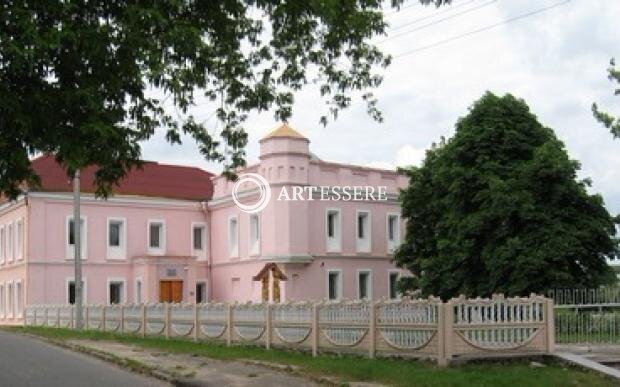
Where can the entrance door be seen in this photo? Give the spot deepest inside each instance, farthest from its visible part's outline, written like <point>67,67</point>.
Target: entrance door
<point>170,291</point>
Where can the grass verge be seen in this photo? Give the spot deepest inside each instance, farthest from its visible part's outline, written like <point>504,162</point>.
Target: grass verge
<point>510,373</point>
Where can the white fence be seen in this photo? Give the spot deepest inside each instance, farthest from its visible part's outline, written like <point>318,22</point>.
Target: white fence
<point>422,328</point>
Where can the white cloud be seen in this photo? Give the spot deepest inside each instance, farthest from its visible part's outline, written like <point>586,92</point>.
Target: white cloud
<point>409,155</point>
<point>406,156</point>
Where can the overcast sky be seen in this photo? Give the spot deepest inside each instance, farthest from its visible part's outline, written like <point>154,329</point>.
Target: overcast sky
<point>555,60</point>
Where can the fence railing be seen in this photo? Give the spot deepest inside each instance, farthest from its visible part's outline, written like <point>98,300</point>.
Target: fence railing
<point>607,296</point>
<point>587,327</point>
<point>423,328</point>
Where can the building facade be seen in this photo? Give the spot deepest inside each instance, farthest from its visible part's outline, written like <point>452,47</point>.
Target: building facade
<point>175,234</point>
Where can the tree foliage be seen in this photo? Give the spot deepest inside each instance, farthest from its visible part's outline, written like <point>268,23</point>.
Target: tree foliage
<point>76,76</point>
<point>499,208</point>
<point>609,121</point>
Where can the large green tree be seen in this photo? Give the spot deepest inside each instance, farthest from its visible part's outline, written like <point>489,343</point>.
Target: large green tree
<point>499,208</point>
<point>608,120</point>
<point>75,75</point>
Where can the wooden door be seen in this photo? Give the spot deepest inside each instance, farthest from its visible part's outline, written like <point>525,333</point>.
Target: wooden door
<point>170,291</point>
<point>177,291</point>
<point>164,291</point>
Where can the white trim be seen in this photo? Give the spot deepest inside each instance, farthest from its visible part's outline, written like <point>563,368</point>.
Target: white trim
<point>18,286</point>
<point>370,279</point>
<point>69,249</point>
<point>254,246</point>
<point>206,295</point>
<point>137,296</point>
<point>161,250</point>
<point>2,244</point>
<point>392,245</point>
<point>2,300</point>
<point>339,288</point>
<point>201,254</point>
<point>7,206</point>
<point>363,245</point>
<point>10,240</point>
<point>233,251</point>
<point>9,299</point>
<point>84,291</point>
<point>399,274</point>
<point>117,252</point>
<point>118,199</point>
<point>116,280</point>
<point>19,245</point>
<point>333,244</point>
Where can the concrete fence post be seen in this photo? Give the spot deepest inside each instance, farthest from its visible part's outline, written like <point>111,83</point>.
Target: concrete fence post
<point>87,311</point>
<point>550,326</point>
<point>103,323</point>
<point>121,328</point>
<point>167,320</point>
<point>143,325</point>
<point>196,323</point>
<point>315,330</point>
<point>71,317</point>
<point>441,335</point>
<point>448,327</point>
<point>229,325</point>
<point>372,330</point>
<point>268,325</point>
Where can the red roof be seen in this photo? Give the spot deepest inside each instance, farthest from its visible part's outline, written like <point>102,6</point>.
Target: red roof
<point>154,179</point>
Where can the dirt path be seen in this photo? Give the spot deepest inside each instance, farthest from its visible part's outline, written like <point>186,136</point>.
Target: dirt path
<point>198,371</point>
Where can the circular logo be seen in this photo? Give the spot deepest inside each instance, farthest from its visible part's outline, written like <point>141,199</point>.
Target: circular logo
<point>263,188</point>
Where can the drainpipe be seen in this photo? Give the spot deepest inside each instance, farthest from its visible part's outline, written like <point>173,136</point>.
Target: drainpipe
<point>26,254</point>
<point>205,210</point>
<point>77,255</point>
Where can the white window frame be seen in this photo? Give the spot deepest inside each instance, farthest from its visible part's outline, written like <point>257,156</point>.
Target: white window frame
<point>10,239</point>
<point>392,245</point>
<point>19,239</point>
<point>137,291</point>
<point>117,252</point>
<point>369,290</point>
<point>18,302</point>
<point>206,295</point>
<point>233,250</point>
<point>70,250</point>
<point>161,250</point>
<point>333,244</point>
<point>9,299</point>
<point>339,288</point>
<point>68,280</point>
<point>112,280</point>
<point>2,301</point>
<point>200,254</point>
<point>398,276</point>
<point>254,243</point>
<point>363,245</point>
<point>2,244</point>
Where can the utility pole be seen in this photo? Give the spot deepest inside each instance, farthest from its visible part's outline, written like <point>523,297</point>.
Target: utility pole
<point>77,239</point>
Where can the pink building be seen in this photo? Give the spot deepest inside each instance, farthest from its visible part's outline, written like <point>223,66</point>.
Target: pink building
<point>173,233</point>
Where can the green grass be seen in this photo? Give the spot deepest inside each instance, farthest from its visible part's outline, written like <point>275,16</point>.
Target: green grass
<point>391,371</point>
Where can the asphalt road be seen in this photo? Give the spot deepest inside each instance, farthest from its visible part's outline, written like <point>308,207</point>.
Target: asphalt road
<point>26,361</point>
